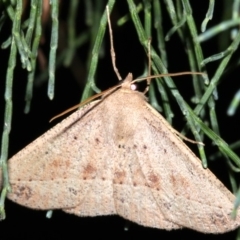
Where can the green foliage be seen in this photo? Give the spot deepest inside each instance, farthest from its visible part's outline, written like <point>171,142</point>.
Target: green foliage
<point>147,18</point>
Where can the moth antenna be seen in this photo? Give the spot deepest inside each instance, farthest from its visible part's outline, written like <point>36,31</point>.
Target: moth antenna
<point>108,91</point>
<point>167,74</point>
<point>113,55</point>
<point>187,139</point>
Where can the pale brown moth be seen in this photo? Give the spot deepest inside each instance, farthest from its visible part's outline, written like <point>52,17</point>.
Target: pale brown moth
<point>118,155</point>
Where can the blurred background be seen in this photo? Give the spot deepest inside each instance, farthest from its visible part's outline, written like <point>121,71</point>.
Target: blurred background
<point>78,30</point>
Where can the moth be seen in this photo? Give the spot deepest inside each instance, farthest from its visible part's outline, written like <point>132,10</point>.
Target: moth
<point>118,155</point>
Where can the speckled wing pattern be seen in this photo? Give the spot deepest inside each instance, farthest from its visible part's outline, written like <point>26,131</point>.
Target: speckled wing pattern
<point>119,156</point>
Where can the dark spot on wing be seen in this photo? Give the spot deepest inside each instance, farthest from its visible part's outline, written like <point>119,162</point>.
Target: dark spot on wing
<point>167,205</point>
<point>55,163</point>
<point>89,172</point>
<point>173,179</point>
<point>153,181</point>
<point>218,219</point>
<point>153,178</point>
<point>24,192</point>
<point>58,164</point>
<point>89,169</point>
<point>180,183</point>
<point>119,177</point>
<point>73,191</point>
<point>121,146</point>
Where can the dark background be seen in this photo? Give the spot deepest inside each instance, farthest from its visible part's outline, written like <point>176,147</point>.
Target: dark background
<point>30,224</point>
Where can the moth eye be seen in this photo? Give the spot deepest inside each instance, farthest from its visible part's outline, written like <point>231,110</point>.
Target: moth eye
<point>139,86</point>
<point>133,87</point>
